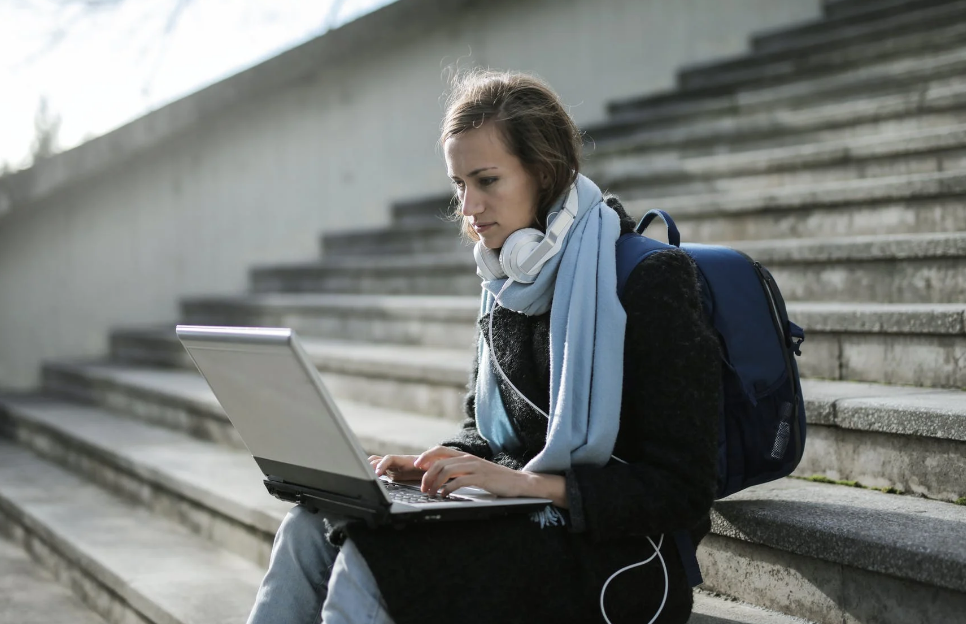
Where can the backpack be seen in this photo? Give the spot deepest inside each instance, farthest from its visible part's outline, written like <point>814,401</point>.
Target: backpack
<point>761,424</point>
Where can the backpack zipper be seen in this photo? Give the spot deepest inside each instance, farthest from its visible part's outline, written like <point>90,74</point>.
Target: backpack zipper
<point>776,318</point>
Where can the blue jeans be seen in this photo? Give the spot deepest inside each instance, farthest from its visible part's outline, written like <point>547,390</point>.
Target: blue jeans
<point>311,581</point>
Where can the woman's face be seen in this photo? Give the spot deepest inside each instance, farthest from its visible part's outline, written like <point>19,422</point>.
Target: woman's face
<point>497,195</point>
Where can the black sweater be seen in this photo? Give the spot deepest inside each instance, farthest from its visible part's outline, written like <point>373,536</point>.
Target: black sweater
<point>511,570</point>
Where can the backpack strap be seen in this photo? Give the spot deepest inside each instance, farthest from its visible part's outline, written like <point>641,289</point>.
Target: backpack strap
<point>673,236</point>
<point>689,558</point>
<point>632,248</point>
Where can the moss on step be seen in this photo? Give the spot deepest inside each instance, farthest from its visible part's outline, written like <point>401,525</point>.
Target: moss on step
<point>855,484</point>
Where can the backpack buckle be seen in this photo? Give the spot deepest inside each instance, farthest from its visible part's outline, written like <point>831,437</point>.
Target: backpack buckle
<point>794,331</point>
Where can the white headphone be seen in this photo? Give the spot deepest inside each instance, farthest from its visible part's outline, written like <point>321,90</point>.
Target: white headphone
<point>526,251</point>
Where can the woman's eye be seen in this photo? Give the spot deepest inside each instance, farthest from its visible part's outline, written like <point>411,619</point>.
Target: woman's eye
<point>487,181</point>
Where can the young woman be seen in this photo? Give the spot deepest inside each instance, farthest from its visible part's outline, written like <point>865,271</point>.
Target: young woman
<point>607,406</point>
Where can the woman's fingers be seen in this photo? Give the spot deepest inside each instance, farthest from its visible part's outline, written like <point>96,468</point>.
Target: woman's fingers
<point>431,456</point>
<point>398,467</point>
<point>389,463</point>
<point>455,484</point>
<point>446,469</point>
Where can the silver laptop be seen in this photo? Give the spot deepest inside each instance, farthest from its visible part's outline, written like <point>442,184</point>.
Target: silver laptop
<point>276,400</point>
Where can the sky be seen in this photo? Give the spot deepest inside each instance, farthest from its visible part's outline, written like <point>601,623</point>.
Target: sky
<point>101,63</point>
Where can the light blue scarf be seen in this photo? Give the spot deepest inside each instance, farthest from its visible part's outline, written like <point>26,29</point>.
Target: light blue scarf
<point>579,287</point>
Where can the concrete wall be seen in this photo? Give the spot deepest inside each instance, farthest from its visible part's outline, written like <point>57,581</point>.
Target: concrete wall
<point>260,179</point>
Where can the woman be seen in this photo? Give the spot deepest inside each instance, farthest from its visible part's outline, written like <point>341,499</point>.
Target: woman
<point>606,406</point>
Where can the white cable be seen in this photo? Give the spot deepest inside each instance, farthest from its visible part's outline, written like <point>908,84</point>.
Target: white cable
<point>657,547</point>
<point>497,362</point>
<point>657,553</point>
<point>500,368</point>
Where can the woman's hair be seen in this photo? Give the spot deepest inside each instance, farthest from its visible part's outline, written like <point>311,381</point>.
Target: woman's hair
<point>530,119</point>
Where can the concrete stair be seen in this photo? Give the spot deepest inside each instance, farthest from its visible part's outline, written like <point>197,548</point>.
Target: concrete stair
<point>834,152</point>
<point>847,40</point>
<point>30,595</point>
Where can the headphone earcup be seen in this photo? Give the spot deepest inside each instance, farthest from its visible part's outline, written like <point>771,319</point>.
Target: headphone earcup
<point>487,263</point>
<point>516,249</point>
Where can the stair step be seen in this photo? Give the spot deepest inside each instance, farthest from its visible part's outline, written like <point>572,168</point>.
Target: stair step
<point>424,380</point>
<point>905,344</point>
<point>841,8</point>
<point>730,123</point>
<point>831,48</point>
<point>428,321</point>
<point>830,553</point>
<point>901,268</point>
<point>651,174</point>
<point>128,563</point>
<point>904,268</point>
<point>214,491</point>
<point>397,238</point>
<point>859,192</point>
<point>183,401</point>
<point>878,218</point>
<point>903,437</point>
<point>30,595</point>
<point>882,76</point>
<point>432,210</point>
<point>879,18</point>
<point>712,609</point>
<point>419,274</point>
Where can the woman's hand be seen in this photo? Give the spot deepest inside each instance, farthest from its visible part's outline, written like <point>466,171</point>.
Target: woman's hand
<point>446,473</point>
<point>396,467</point>
<point>405,468</point>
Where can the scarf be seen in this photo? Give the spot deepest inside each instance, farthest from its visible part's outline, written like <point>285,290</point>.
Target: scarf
<point>579,287</point>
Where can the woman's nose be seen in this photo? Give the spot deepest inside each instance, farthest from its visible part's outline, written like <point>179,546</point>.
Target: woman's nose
<point>471,204</point>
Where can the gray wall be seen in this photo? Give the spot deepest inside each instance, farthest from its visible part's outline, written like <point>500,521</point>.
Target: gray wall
<point>260,180</point>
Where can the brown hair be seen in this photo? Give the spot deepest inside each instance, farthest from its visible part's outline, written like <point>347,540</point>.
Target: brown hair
<point>531,121</point>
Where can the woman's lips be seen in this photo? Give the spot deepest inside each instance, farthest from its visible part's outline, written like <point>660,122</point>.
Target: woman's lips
<point>482,227</point>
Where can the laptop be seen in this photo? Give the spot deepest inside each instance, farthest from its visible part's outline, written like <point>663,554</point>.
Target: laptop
<point>276,400</point>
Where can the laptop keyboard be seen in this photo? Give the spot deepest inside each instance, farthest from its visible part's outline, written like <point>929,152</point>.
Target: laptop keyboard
<point>411,495</point>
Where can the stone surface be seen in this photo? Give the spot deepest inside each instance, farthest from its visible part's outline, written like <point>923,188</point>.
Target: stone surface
<point>822,592</point>
<point>876,20</point>
<point>215,491</point>
<point>434,235</point>
<point>887,217</point>
<point>30,595</point>
<point>931,467</point>
<point>131,562</point>
<point>904,410</point>
<point>904,537</point>
<point>711,609</point>
<point>182,400</point>
<point>887,74</point>
<point>921,186</point>
<point>419,320</point>
<point>783,54</point>
<point>427,380</point>
<point>872,318</point>
<point>660,173</point>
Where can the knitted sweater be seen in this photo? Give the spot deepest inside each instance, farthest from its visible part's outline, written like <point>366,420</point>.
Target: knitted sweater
<point>511,570</point>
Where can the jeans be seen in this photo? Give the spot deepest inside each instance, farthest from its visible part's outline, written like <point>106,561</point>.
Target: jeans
<point>311,581</point>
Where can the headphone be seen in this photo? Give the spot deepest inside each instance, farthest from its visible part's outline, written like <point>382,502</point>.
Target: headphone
<point>526,251</point>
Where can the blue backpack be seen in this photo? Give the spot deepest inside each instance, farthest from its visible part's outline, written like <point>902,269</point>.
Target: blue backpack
<point>761,425</point>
